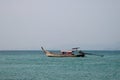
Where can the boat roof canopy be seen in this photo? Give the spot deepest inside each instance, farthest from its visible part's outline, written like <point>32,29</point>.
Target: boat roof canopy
<point>76,48</point>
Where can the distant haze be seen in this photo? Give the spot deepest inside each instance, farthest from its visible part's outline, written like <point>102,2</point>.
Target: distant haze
<point>59,24</point>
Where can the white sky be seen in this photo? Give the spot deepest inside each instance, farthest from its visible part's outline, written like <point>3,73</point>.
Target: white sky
<point>59,24</point>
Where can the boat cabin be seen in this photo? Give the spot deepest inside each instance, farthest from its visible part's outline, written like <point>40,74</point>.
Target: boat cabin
<point>67,52</point>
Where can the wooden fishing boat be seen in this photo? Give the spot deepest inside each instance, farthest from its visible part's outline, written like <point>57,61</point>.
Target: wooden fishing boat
<point>62,54</point>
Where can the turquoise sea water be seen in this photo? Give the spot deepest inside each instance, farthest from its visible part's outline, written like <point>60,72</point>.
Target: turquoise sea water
<point>34,65</point>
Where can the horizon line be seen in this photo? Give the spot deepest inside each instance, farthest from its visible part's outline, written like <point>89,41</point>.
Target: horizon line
<point>58,50</point>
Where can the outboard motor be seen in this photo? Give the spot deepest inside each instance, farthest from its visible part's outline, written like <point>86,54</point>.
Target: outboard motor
<point>82,53</point>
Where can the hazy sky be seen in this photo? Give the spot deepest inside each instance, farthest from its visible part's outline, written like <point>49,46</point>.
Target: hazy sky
<point>59,24</point>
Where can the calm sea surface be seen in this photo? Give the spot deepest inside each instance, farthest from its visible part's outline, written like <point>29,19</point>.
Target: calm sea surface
<point>34,65</point>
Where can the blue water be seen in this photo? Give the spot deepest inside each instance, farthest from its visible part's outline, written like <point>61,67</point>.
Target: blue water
<point>34,65</point>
